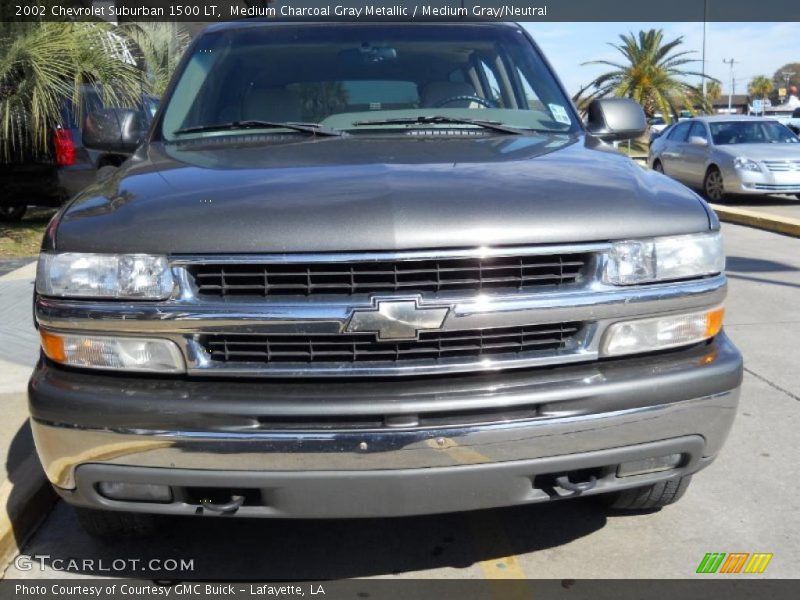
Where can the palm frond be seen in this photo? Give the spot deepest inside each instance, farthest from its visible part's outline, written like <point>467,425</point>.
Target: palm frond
<point>653,72</point>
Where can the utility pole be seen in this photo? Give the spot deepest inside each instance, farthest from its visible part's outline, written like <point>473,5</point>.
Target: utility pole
<point>730,62</point>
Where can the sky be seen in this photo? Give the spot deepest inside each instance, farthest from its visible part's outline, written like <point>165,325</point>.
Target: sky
<point>758,48</point>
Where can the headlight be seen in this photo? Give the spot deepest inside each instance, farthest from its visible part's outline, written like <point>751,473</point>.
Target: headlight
<point>661,333</point>
<point>79,275</point>
<point>117,353</point>
<point>745,164</point>
<point>664,259</point>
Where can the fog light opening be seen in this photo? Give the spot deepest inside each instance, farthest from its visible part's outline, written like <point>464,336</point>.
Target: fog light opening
<point>135,492</point>
<point>649,465</point>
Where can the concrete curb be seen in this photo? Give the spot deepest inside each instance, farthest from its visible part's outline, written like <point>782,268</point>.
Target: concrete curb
<point>759,220</point>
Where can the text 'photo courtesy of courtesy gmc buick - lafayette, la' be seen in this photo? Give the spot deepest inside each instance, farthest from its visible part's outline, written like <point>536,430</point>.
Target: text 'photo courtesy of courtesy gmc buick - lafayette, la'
<point>366,270</point>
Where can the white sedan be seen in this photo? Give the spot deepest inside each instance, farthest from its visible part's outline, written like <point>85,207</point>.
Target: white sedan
<point>730,155</point>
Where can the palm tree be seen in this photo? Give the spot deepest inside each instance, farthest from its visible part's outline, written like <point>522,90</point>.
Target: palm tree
<point>43,64</point>
<point>652,73</point>
<point>760,86</point>
<point>158,48</point>
<point>713,91</point>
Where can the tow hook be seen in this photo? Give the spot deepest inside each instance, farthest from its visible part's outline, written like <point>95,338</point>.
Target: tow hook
<point>577,488</point>
<point>227,508</point>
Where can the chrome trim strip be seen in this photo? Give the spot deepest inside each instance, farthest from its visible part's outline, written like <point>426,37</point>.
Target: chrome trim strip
<point>400,255</point>
<point>596,303</point>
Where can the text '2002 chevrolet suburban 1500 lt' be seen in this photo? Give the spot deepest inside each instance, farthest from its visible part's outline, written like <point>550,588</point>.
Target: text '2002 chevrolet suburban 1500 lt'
<point>376,270</point>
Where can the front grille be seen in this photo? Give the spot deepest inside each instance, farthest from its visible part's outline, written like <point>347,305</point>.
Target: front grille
<point>782,166</point>
<point>425,275</point>
<point>364,347</point>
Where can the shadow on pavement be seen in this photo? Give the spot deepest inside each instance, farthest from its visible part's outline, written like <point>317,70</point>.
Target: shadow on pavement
<point>737,266</point>
<point>323,549</point>
<point>28,500</point>
<point>746,264</point>
<point>756,201</point>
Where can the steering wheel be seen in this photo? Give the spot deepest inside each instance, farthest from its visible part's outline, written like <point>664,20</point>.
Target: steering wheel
<point>482,101</point>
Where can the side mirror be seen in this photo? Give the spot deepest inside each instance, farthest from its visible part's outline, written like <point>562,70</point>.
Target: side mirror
<point>614,119</point>
<point>696,140</point>
<point>118,130</point>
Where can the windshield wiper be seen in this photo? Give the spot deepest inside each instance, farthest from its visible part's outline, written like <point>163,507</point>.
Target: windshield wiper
<point>312,128</point>
<point>445,120</point>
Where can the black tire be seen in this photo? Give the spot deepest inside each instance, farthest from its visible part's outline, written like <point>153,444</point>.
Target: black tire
<point>713,185</point>
<point>653,496</point>
<point>797,196</point>
<point>112,525</point>
<point>12,213</point>
<point>658,167</point>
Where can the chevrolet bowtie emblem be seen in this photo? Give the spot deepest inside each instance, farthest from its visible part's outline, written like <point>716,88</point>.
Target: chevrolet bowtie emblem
<point>396,319</point>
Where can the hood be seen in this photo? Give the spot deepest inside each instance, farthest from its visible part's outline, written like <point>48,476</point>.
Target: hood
<point>390,192</point>
<point>762,151</point>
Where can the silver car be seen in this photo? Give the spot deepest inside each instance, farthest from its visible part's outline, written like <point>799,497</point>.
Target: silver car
<point>730,155</point>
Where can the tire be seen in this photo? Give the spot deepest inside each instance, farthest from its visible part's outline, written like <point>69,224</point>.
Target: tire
<point>658,167</point>
<point>12,213</point>
<point>797,196</point>
<point>713,185</point>
<point>112,525</point>
<point>653,496</point>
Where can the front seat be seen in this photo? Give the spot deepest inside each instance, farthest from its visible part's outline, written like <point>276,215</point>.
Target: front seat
<point>436,92</point>
<point>272,104</point>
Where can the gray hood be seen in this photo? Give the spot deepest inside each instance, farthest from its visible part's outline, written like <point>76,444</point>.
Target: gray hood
<point>387,192</point>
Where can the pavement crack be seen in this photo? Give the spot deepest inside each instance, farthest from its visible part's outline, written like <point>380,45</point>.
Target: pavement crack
<point>772,385</point>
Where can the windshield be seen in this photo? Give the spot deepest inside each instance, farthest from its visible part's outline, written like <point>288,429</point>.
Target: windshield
<point>750,132</point>
<point>344,75</point>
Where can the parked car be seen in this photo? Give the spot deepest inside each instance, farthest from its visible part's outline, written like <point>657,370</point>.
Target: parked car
<point>730,155</point>
<point>376,270</point>
<point>49,179</point>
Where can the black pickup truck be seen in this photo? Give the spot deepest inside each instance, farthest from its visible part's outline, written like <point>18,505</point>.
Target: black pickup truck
<point>376,270</point>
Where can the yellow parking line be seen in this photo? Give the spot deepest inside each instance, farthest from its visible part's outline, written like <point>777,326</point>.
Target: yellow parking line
<point>490,535</point>
<point>487,530</point>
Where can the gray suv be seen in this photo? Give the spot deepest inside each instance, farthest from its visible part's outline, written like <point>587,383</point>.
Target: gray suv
<point>376,270</point>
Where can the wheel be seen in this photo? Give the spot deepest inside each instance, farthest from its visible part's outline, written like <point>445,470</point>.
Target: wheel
<point>112,525</point>
<point>713,185</point>
<point>653,496</point>
<point>658,167</point>
<point>12,213</point>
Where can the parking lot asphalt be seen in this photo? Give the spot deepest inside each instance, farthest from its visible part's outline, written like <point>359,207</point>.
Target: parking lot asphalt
<point>745,502</point>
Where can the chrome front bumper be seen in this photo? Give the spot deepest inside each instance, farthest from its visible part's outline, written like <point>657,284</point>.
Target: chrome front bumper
<point>750,182</point>
<point>224,427</point>
<point>63,449</point>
